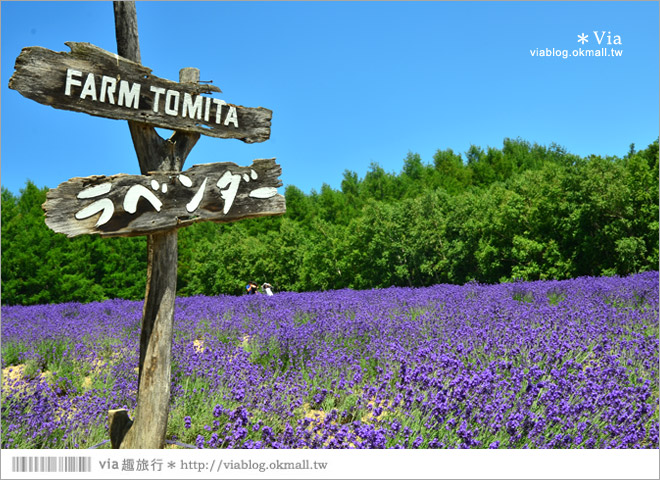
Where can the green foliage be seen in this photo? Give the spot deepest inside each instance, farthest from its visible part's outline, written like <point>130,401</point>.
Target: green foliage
<point>524,211</point>
<point>39,266</point>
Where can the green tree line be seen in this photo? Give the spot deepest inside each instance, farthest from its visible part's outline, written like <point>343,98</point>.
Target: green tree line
<point>524,211</point>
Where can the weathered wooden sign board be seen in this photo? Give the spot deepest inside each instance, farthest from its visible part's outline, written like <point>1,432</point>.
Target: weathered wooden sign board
<point>163,198</point>
<point>128,205</point>
<point>91,80</point>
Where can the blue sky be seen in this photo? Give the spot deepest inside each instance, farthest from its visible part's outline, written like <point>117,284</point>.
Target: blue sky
<point>350,83</point>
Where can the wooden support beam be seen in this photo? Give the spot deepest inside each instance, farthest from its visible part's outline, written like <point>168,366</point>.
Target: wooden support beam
<point>154,154</point>
<point>118,424</point>
<point>150,424</point>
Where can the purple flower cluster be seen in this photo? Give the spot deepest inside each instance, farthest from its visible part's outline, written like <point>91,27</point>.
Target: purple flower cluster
<point>554,364</point>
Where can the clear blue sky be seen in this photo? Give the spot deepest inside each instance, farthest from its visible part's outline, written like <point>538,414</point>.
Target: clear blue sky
<point>350,83</point>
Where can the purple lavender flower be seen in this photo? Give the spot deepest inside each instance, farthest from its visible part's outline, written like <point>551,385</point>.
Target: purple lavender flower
<point>445,366</point>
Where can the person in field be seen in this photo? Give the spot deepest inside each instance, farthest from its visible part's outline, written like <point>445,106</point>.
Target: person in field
<point>268,288</point>
<point>251,288</point>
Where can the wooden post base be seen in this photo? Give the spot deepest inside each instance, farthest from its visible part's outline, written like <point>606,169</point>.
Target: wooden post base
<point>119,423</point>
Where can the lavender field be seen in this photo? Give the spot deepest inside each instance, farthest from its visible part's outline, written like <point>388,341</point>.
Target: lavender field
<point>554,364</point>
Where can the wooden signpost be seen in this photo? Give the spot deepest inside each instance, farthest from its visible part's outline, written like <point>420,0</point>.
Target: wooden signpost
<point>96,82</point>
<point>132,205</point>
<point>163,198</point>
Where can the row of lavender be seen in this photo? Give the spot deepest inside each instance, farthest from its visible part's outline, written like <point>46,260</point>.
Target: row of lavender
<point>559,364</point>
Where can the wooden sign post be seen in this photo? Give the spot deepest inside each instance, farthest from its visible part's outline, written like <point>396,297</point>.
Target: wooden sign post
<point>132,205</point>
<point>162,199</point>
<point>91,80</point>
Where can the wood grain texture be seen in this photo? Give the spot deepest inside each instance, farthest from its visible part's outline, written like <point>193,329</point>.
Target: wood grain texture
<point>150,424</point>
<point>118,425</point>
<point>126,30</point>
<point>155,153</point>
<point>149,428</point>
<point>41,75</point>
<point>175,209</point>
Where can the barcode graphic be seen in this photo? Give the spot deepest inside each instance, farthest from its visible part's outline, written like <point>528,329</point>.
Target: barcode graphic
<point>51,464</point>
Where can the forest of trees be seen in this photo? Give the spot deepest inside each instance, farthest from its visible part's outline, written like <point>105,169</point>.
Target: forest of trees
<point>524,211</point>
